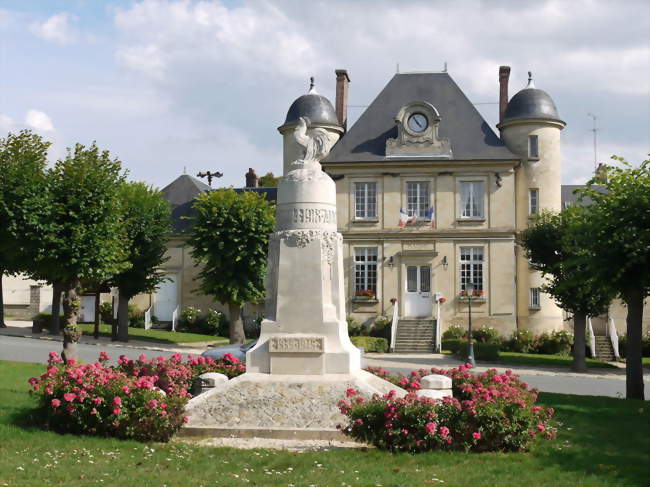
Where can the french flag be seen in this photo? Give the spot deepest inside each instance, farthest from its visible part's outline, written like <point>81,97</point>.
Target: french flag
<point>403,218</point>
<point>431,215</point>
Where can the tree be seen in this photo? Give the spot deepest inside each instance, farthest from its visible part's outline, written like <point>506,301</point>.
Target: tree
<point>146,217</point>
<point>618,238</point>
<point>23,158</point>
<point>83,237</point>
<point>269,181</point>
<point>552,244</point>
<point>229,239</point>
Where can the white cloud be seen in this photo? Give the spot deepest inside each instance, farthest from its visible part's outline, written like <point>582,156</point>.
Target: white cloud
<point>56,29</point>
<point>7,124</point>
<point>39,121</point>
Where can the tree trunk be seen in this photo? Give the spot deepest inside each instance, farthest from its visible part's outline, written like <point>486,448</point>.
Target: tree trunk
<point>236,323</point>
<point>71,333</point>
<point>634,365</point>
<point>123,318</point>
<point>55,325</point>
<point>2,303</point>
<point>579,342</point>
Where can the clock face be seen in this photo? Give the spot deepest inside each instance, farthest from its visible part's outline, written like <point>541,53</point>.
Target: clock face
<point>418,122</point>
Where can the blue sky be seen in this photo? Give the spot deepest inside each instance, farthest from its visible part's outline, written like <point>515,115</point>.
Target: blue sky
<point>168,85</point>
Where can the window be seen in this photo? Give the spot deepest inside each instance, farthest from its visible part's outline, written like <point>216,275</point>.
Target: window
<point>471,199</point>
<point>417,199</point>
<point>534,297</point>
<point>365,269</point>
<point>533,201</point>
<point>471,267</point>
<point>365,201</point>
<point>533,146</point>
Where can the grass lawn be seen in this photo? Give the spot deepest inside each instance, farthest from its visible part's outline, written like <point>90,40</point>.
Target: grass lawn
<point>601,442</point>
<point>160,336</point>
<point>514,358</point>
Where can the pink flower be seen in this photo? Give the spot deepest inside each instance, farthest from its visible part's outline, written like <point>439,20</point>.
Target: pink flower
<point>93,411</point>
<point>541,427</point>
<point>142,358</point>
<point>56,403</point>
<point>153,404</point>
<point>125,389</point>
<point>403,381</point>
<point>405,431</point>
<point>117,400</point>
<point>187,420</point>
<point>163,413</point>
<point>476,435</point>
<point>103,357</point>
<point>98,400</point>
<point>444,431</point>
<point>350,391</point>
<point>116,411</point>
<point>69,396</point>
<point>163,405</point>
<point>431,428</point>
<point>536,409</point>
<point>468,366</point>
<point>358,421</point>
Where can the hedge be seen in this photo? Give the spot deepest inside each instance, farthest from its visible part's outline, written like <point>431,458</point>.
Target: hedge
<point>482,351</point>
<point>371,344</point>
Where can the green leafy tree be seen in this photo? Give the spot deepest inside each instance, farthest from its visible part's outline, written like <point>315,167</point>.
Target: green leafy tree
<point>83,237</point>
<point>553,245</point>
<point>23,158</point>
<point>269,181</point>
<point>619,241</point>
<point>146,218</point>
<point>229,240</point>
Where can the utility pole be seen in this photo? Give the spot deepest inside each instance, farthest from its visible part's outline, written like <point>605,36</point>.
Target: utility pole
<point>595,131</point>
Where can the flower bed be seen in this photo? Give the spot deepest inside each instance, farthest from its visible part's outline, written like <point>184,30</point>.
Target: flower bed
<point>489,412</point>
<point>138,399</point>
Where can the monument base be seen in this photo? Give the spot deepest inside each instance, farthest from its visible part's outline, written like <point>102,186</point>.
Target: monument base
<point>279,406</point>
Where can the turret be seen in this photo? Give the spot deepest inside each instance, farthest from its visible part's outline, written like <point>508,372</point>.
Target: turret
<point>531,128</point>
<point>320,113</point>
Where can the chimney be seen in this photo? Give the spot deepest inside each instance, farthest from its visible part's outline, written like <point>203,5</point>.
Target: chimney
<point>251,178</point>
<point>342,81</point>
<point>504,76</point>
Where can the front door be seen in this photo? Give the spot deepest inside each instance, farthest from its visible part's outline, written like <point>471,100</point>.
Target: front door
<point>417,293</point>
<point>87,311</point>
<point>166,299</point>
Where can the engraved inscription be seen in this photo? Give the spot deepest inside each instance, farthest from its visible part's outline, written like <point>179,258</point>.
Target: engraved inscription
<point>297,344</point>
<point>313,215</point>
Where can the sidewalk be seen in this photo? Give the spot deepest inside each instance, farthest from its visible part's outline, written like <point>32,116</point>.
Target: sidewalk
<point>24,329</point>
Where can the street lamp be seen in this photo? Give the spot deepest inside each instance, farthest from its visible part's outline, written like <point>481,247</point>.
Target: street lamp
<point>469,288</point>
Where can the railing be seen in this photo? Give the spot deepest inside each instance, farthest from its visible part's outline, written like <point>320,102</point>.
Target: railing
<point>147,319</point>
<point>592,338</point>
<point>613,336</point>
<point>438,327</point>
<point>174,318</point>
<point>393,326</point>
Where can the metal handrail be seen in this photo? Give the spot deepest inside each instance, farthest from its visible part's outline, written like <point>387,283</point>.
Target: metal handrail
<point>147,319</point>
<point>592,338</point>
<point>174,318</point>
<point>393,326</point>
<point>613,336</point>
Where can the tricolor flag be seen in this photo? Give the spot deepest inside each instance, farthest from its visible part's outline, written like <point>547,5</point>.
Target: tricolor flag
<point>431,215</point>
<point>403,218</point>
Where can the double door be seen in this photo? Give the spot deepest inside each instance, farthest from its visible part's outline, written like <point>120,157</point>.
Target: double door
<point>417,292</point>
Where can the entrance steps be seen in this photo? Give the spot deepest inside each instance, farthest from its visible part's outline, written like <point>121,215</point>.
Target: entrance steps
<point>604,350</point>
<point>415,336</point>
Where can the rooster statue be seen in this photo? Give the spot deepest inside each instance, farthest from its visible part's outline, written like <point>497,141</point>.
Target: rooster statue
<point>316,145</point>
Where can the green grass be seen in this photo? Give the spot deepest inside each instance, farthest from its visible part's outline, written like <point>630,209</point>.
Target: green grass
<point>601,442</point>
<point>160,336</point>
<point>514,358</point>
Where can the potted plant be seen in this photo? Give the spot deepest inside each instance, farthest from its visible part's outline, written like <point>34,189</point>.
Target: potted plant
<point>365,294</point>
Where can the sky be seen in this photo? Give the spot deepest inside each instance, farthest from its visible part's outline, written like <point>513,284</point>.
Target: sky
<point>185,86</point>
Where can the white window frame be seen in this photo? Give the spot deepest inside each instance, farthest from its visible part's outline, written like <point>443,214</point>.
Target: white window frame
<point>473,266</point>
<point>533,201</point>
<point>362,271</point>
<point>533,147</point>
<point>422,196</point>
<point>362,214</point>
<point>478,201</point>
<point>535,298</point>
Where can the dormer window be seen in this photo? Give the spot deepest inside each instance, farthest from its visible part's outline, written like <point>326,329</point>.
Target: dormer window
<point>533,147</point>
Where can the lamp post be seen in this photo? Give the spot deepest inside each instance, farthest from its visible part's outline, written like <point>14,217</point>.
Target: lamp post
<point>469,288</point>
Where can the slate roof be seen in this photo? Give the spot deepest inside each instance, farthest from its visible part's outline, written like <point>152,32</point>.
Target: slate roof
<point>316,107</point>
<point>570,197</point>
<point>181,193</point>
<point>470,136</point>
<point>531,103</point>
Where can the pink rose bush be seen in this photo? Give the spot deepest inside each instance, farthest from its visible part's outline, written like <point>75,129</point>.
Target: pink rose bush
<point>137,399</point>
<point>489,412</point>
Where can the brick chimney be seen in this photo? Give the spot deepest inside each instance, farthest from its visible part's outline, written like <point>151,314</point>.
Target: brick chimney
<point>504,76</point>
<point>342,82</point>
<point>251,178</point>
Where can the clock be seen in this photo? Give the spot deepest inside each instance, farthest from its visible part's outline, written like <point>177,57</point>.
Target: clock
<point>418,122</point>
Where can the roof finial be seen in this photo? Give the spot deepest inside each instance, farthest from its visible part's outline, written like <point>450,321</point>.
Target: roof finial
<point>312,85</point>
<point>530,80</point>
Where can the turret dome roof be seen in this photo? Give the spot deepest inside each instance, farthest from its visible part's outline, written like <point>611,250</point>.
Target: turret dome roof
<point>317,108</point>
<point>531,102</point>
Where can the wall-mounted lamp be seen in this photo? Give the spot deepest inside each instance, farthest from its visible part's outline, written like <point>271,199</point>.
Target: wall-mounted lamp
<point>497,179</point>
<point>445,264</point>
<point>390,262</point>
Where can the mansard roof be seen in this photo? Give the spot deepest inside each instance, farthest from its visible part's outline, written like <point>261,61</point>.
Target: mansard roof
<point>470,136</point>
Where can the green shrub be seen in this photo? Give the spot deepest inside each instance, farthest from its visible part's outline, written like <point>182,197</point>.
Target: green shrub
<point>454,332</point>
<point>215,323</point>
<point>486,351</point>
<point>645,345</point>
<point>453,344</point>
<point>43,320</point>
<point>354,327</point>
<point>557,342</point>
<point>522,341</point>
<point>486,334</point>
<point>371,344</point>
<point>106,312</point>
<point>381,328</point>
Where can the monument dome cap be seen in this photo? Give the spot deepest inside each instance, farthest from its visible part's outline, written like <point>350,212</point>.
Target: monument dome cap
<point>531,103</point>
<point>318,109</point>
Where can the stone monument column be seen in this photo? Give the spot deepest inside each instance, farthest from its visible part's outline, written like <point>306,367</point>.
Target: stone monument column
<point>305,327</point>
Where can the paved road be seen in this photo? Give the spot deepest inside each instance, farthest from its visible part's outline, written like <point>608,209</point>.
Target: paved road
<point>598,382</point>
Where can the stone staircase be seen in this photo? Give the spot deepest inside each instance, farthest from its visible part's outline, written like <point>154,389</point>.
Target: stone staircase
<point>604,350</point>
<point>415,336</point>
